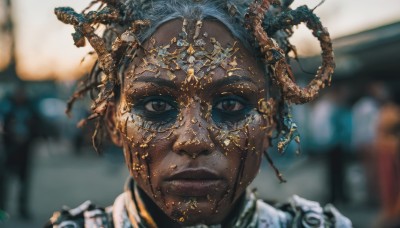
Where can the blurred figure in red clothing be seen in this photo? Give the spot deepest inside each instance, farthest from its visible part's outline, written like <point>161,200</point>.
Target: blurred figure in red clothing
<point>387,145</point>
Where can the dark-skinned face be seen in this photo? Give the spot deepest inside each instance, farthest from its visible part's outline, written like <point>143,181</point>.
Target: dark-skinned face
<point>194,120</point>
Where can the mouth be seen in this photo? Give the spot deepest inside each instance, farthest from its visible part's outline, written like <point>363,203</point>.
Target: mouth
<point>194,183</point>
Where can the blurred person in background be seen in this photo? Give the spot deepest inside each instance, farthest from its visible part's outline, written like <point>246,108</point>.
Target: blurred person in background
<point>365,114</point>
<point>20,128</point>
<point>387,147</point>
<point>339,145</point>
<point>330,129</point>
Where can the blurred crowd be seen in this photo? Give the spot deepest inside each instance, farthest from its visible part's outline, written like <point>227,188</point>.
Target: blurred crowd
<point>358,124</point>
<point>348,125</point>
<point>30,113</point>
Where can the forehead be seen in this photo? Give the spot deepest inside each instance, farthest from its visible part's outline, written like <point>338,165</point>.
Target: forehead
<point>213,28</point>
<point>237,60</point>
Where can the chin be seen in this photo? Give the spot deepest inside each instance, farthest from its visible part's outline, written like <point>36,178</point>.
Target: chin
<point>197,217</point>
<point>198,210</point>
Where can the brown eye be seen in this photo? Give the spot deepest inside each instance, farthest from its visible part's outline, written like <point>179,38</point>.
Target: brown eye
<point>230,105</point>
<point>157,106</point>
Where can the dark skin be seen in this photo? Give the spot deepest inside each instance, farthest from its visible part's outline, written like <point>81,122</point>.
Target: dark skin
<point>193,145</point>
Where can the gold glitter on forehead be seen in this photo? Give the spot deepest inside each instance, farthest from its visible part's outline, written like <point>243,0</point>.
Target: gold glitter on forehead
<point>196,58</point>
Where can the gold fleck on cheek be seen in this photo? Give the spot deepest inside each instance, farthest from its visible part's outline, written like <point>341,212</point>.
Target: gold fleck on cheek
<point>194,120</point>
<point>171,75</point>
<point>145,155</point>
<point>227,142</point>
<point>144,145</point>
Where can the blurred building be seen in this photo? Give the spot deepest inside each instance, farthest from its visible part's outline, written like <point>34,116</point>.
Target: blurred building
<point>362,59</point>
<point>370,55</point>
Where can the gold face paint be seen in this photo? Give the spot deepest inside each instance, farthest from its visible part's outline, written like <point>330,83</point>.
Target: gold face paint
<point>195,58</point>
<point>194,107</point>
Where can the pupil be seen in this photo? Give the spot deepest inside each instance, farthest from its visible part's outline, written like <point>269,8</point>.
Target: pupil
<point>158,106</point>
<point>228,105</point>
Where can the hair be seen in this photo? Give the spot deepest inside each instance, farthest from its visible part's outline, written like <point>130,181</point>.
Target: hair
<point>262,26</point>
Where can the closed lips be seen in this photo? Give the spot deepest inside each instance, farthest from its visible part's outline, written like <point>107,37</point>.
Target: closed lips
<point>194,174</point>
<point>194,183</point>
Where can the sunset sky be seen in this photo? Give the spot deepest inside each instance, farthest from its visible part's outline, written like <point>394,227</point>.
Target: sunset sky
<point>45,48</point>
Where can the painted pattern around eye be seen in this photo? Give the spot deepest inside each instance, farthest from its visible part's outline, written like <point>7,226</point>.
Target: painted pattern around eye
<point>230,110</point>
<point>156,112</point>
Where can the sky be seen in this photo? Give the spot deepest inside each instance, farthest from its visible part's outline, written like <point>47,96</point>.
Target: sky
<point>45,48</point>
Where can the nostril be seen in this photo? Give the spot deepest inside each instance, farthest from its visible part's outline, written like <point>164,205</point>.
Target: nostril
<point>194,154</point>
<point>181,152</point>
<point>204,152</point>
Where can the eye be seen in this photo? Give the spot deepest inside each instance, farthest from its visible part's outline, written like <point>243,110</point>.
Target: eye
<point>230,109</point>
<point>156,112</point>
<point>230,105</point>
<point>157,106</point>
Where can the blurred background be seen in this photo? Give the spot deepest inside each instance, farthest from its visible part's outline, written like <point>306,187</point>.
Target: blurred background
<point>350,149</point>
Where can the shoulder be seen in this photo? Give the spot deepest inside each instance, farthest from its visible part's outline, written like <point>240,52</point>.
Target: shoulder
<point>299,212</point>
<point>85,215</point>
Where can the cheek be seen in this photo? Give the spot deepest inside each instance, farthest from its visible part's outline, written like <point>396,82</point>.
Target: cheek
<point>244,147</point>
<point>259,140</point>
<point>250,136</point>
<point>144,151</point>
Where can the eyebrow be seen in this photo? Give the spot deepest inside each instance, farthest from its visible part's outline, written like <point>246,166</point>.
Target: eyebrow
<point>214,85</point>
<point>230,80</point>
<point>157,81</point>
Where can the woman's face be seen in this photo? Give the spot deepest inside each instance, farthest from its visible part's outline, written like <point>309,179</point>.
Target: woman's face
<point>194,120</point>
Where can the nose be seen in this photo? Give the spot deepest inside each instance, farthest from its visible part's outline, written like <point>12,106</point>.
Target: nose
<point>193,138</point>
